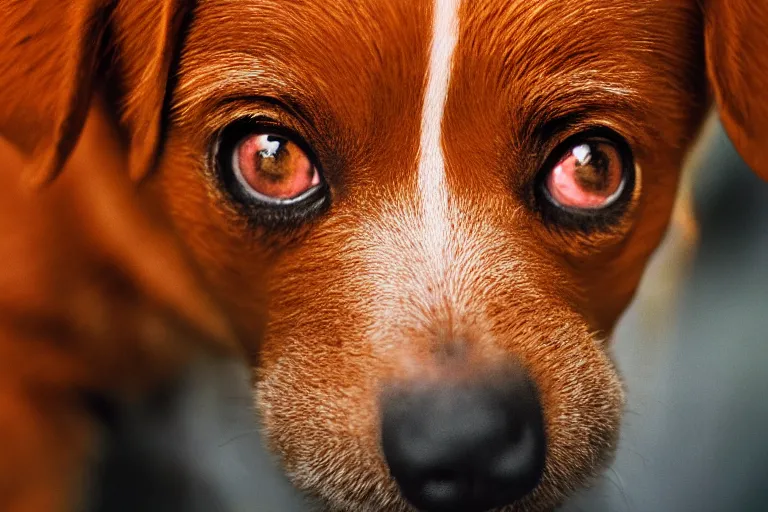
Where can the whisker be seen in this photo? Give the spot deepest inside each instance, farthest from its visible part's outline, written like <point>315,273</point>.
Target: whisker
<point>619,484</point>
<point>238,437</point>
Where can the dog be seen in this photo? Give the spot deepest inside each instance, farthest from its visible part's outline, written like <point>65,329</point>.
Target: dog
<point>449,203</point>
<point>115,360</point>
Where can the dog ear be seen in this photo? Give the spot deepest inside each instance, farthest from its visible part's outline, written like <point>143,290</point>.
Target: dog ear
<point>56,54</point>
<point>736,45</point>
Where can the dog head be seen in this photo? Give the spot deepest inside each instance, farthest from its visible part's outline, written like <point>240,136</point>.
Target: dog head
<point>455,202</point>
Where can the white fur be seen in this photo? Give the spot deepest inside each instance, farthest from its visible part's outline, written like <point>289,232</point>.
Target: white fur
<point>432,181</point>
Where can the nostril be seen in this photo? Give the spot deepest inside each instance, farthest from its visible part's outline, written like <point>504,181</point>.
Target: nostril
<point>516,458</point>
<point>444,488</point>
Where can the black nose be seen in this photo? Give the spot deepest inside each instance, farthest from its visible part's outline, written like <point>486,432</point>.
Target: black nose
<point>467,447</point>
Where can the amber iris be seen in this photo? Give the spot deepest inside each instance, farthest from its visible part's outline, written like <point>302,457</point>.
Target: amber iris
<point>272,167</point>
<point>589,176</point>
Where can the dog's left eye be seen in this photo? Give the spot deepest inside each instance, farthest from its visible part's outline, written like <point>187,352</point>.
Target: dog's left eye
<point>587,182</point>
<point>271,173</point>
<point>589,176</point>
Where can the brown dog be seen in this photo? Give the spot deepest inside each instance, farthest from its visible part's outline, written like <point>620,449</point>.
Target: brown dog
<point>114,357</point>
<point>454,201</point>
<point>97,302</point>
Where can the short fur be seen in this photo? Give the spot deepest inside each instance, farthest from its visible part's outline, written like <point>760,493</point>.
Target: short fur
<point>354,303</point>
<point>99,303</point>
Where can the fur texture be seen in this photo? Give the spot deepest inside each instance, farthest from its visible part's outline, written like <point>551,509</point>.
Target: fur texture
<point>99,303</point>
<point>359,298</point>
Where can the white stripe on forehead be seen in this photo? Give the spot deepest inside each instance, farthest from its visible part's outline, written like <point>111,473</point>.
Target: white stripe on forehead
<point>432,182</point>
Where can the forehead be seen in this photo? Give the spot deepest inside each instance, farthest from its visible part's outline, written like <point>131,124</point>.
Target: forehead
<point>520,62</point>
<point>348,60</point>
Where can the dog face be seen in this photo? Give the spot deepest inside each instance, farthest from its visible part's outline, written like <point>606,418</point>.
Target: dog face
<point>454,201</point>
<point>432,253</point>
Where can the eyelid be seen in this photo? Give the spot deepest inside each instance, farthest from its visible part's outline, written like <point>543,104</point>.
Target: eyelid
<point>274,104</point>
<point>259,109</point>
<point>567,124</point>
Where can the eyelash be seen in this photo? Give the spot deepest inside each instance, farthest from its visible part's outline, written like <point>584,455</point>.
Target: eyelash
<point>271,216</point>
<point>585,221</point>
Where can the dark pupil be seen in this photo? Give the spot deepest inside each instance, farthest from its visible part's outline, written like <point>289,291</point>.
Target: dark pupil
<point>271,160</point>
<point>593,170</point>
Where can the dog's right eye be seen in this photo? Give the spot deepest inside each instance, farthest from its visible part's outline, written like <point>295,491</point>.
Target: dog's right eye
<point>270,172</point>
<point>273,169</point>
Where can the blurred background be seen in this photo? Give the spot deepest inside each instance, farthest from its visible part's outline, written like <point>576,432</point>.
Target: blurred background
<point>693,350</point>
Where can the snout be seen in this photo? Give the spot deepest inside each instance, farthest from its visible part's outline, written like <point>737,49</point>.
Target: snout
<point>468,446</point>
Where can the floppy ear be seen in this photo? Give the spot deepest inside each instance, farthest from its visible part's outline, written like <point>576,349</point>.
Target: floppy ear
<point>56,54</point>
<point>736,39</point>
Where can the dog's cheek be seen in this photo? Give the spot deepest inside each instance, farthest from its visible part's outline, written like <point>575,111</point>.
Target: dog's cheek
<point>230,256</point>
<point>610,281</point>
<point>579,387</point>
<point>318,377</point>
<point>582,398</point>
<point>529,300</point>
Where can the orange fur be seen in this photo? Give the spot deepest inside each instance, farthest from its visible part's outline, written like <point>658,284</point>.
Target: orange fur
<point>98,300</point>
<point>353,307</point>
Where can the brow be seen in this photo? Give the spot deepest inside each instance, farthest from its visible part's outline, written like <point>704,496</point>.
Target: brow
<point>545,111</point>
<point>234,75</point>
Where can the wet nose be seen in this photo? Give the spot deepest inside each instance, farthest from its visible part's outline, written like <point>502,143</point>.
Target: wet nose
<point>465,447</point>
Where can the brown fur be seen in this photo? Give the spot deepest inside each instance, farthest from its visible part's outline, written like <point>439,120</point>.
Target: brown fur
<point>98,300</point>
<point>353,305</point>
